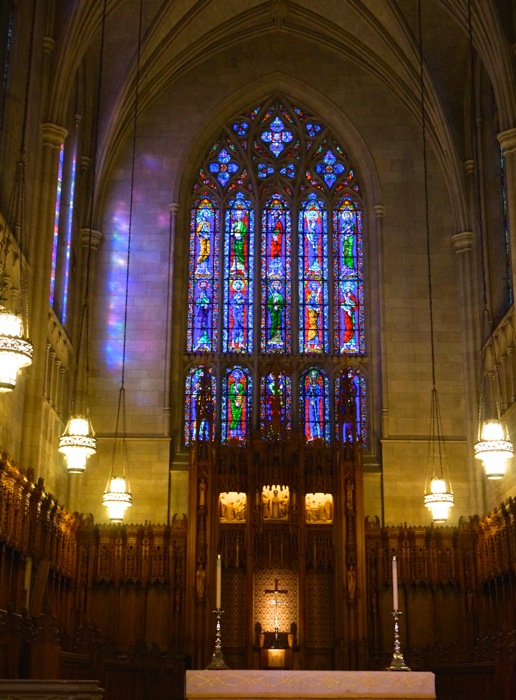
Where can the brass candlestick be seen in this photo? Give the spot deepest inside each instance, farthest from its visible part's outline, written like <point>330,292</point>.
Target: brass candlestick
<point>217,662</point>
<point>398,662</point>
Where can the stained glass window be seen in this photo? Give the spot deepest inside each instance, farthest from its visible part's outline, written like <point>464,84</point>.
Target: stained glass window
<point>236,404</point>
<point>275,404</point>
<point>237,333</point>
<point>313,276</point>
<point>204,267</point>
<point>200,395</point>
<point>55,240</point>
<point>68,236</point>
<point>279,191</point>
<point>315,405</point>
<point>350,390</point>
<point>276,276</point>
<point>348,283</point>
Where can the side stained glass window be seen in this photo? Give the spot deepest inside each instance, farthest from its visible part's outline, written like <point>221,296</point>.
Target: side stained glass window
<point>236,404</point>
<point>237,335</point>
<point>55,239</point>
<point>276,279</point>
<point>200,395</point>
<point>204,268</point>
<point>350,394</point>
<point>314,403</point>
<point>313,276</point>
<point>275,405</point>
<point>348,282</point>
<point>276,276</point>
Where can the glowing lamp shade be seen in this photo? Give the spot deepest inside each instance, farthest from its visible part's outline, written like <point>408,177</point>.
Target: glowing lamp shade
<point>494,449</point>
<point>15,351</point>
<point>117,498</point>
<point>77,443</point>
<point>439,500</point>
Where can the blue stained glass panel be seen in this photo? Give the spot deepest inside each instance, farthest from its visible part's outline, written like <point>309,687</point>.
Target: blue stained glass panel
<point>289,171</point>
<point>265,170</point>
<point>276,293</point>
<point>203,283</point>
<point>237,335</point>
<point>275,404</point>
<point>200,397</point>
<point>223,167</point>
<point>277,137</point>
<point>348,287</point>
<point>236,404</point>
<point>350,387</point>
<point>312,128</point>
<point>313,276</point>
<point>329,168</point>
<point>241,128</point>
<point>315,405</point>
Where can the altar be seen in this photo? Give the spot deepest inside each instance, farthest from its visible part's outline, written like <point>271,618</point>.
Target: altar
<point>276,685</point>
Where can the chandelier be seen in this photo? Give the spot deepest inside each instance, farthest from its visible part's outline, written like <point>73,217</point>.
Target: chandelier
<point>15,348</point>
<point>493,446</point>
<point>438,497</point>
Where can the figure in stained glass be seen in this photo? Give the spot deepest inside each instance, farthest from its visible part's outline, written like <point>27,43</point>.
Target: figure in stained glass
<point>239,239</point>
<point>313,283</point>
<point>203,232</point>
<point>349,305</point>
<point>314,408</point>
<point>203,306</point>
<point>275,304</point>
<point>202,313</point>
<point>275,275</point>
<point>237,303</point>
<point>200,392</point>
<point>275,404</point>
<point>313,315</point>
<point>348,288</point>
<point>236,391</point>
<point>238,276</point>
<point>350,415</point>
<point>347,232</point>
<point>313,232</point>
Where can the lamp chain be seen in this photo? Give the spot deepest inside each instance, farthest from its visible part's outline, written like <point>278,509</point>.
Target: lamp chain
<point>427,216</point>
<point>486,314</point>
<point>121,412</point>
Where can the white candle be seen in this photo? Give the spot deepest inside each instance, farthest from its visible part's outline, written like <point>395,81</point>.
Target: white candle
<point>394,583</point>
<point>219,579</point>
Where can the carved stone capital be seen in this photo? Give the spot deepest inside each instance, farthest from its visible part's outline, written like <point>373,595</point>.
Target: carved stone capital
<point>507,140</point>
<point>53,135</point>
<point>462,241</point>
<point>90,237</point>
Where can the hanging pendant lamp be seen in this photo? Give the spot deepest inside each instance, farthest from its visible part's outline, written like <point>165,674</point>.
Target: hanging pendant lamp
<point>438,497</point>
<point>117,496</point>
<point>15,349</point>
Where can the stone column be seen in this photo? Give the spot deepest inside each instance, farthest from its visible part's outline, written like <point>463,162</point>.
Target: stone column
<point>507,141</point>
<point>463,245</point>
<point>52,136</point>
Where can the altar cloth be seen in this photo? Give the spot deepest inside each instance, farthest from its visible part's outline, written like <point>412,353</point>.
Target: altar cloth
<point>275,685</point>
